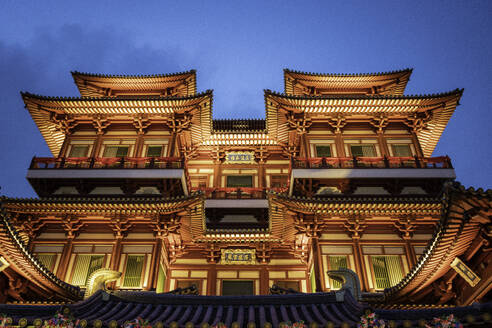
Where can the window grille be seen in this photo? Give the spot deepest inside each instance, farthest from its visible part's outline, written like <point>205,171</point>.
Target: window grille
<point>154,151</point>
<point>323,151</point>
<point>79,151</point>
<point>84,266</point>
<point>115,151</point>
<point>133,271</point>
<point>237,181</point>
<point>401,150</point>
<point>48,260</point>
<point>363,150</point>
<point>387,270</point>
<point>337,262</point>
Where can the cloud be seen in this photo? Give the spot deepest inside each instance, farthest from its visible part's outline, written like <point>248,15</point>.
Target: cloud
<point>43,65</point>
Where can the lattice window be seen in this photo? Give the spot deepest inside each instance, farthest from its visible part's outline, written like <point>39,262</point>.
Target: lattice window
<point>134,270</point>
<point>236,181</point>
<point>363,150</point>
<point>387,269</point>
<point>336,262</point>
<point>154,151</point>
<point>401,150</point>
<point>84,266</point>
<point>323,150</point>
<point>79,151</point>
<point>48,260</point>
<point>115,151</point>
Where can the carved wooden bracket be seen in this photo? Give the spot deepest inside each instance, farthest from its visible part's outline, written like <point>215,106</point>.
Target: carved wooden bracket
<point>311,226</point>
<point>189,152</point>
<point>418,121</point>
<point>355,227</point>
<point>27,226</point>
<point>212,253</point>
<point>380,122</point>
<point>64,123</point>
<point>300,124</point>
<point>176,248</point>
<point>300,249</point>
<point>405,227</point>
<point>120,226</point>
<point>261,154</point>
<point>218,155</point>
<point>71,225</point>
<point>179,122</point>
<point>290,151</point>
<point>263,252</point>
<point>100,123</point>
<point>163,225</point>
<point>337,122</point>
<point>141,122</point>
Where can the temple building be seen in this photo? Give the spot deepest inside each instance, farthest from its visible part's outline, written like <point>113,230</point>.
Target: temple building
<point>339,175</point>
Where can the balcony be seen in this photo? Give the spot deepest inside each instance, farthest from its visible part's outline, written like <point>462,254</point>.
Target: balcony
<point>47,175</point>
<point>362,170</point>
<point>443,162</point>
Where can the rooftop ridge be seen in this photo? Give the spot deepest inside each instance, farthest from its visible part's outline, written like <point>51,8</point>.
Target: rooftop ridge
<point>74,73</point>
<point>457,91</point>
<point>26,94</point>
<point>405,70</point>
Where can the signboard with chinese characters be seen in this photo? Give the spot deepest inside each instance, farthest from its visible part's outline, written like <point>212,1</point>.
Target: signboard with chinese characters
<point>238,256</point>
<point>240,157</point>
<point>465,272</point>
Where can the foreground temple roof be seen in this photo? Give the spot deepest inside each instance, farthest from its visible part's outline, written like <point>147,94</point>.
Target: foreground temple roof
<point>23,262</point>
<point>321,308</point>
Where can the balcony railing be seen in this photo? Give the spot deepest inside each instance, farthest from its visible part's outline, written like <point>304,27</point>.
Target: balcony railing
<point>237,193</point>
<point>443,162</point>
<point>107,163</point>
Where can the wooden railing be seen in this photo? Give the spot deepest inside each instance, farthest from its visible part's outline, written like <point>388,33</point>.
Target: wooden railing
<point>107,163</point>
<point>443,162</point>
<point>237,193</point>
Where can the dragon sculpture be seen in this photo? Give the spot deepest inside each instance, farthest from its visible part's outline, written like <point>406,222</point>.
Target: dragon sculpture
<point>98,280</point>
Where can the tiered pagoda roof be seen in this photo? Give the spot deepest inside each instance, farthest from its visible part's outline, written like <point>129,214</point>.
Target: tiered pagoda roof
<point>438,109</point>
<point>101,85</point>
<point>44,110</point>
<point>384,83</point>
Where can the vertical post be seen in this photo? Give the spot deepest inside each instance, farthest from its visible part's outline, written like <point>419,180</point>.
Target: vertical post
<point>264,288</point>
<point>154,264</point>
<point>318,267</point>
<point>65,258</point>
<point>359,264</point>
<point>212,280</point>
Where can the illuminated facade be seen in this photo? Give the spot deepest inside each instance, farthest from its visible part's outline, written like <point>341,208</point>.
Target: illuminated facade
<point>338,175</point>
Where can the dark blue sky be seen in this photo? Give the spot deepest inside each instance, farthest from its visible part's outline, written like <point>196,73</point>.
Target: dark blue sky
<point>239,48</point>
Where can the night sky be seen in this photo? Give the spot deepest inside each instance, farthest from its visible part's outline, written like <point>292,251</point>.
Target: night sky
<point>240,48</point>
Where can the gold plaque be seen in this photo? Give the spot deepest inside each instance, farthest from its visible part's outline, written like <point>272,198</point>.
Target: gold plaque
<point>240,157</point>
<point>238,256</point>
<point>465,272</point>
